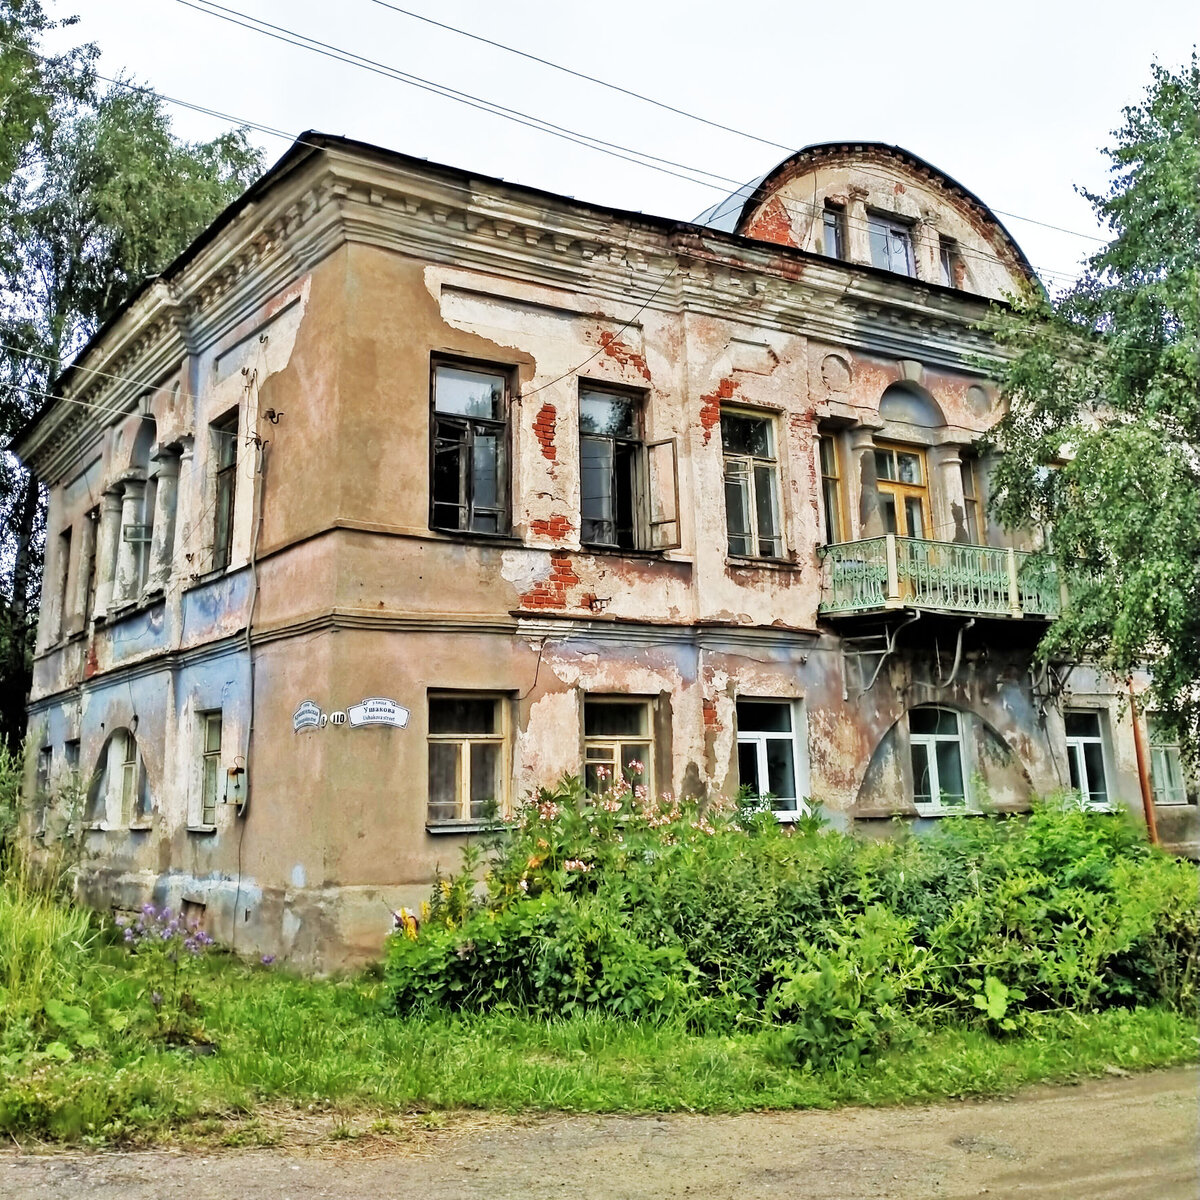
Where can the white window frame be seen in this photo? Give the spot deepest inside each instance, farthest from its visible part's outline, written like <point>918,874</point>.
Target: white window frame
<point>1076,755</point>
<point>1166,758</point>
<point>760,738</point>
<point>935,807</point>
<point>464,742</point>
<point>748,463</point>
<point>612,748</point>
<point>210,768</point>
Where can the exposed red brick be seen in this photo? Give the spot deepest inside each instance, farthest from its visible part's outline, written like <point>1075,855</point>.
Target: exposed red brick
<point>552,592</point>
<point>91,664</point>
<point>772,224</point>
<point>711,720</point>
<point>615,348</point>
<point>543,429</point>
<point>710,406</point>
<point>557,526</point>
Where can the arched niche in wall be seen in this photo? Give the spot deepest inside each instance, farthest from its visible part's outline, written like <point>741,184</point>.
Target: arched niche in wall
<point>119,790</point>
<point>910,404</point>
<point>986,759</point>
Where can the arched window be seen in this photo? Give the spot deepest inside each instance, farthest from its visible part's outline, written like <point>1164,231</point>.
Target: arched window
<point>935,737</point>
<point>119,792</point>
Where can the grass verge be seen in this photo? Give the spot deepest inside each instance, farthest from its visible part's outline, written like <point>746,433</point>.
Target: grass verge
<point>295,1041</point>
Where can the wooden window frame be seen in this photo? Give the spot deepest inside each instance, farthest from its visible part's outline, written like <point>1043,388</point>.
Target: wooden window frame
<point>210,766</point>
<point>502,427</point>
<point>1166,759</point>
<point>832,483</point>
<point>614,746</point>
<point>900,491</point>
<point>833,222</point>
<point>224,439</point>
<point>973,508</point>
<point>464,742</point>
<point>750,462</point>
<point>894,228</point>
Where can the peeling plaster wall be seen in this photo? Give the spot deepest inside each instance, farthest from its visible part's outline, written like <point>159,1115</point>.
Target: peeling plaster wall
<point>356,596</point>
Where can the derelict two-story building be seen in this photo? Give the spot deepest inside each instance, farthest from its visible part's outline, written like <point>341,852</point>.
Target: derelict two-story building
<point>404,491</point>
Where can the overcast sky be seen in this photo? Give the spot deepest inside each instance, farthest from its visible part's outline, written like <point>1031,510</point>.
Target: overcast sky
<point>1015,101</point>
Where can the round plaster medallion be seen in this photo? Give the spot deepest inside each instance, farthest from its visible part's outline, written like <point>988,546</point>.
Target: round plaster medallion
<point>835,372</point>
<point>978,400</point>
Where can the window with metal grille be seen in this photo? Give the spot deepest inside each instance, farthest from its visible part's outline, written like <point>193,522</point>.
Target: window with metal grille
<point>618,743</point>
<point>751,485</point>
<point>467,757</point>
<point>936,746</point>
<point>468,471</point>
<point>224,438</point>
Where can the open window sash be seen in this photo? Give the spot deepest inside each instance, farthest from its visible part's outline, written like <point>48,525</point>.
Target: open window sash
<point>662,462</point>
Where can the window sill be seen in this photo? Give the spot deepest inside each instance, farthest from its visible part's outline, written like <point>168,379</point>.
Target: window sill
<point>474,535</point>
<point>744,562</point>
<point>203,577</point>
<point>618,552</point>
<point>202,829</point>
<point>140,826</point>
<point>479,826</point>
<point>938,810</point>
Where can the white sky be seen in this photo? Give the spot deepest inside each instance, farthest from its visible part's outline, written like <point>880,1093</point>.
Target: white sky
<point>1014,101</point>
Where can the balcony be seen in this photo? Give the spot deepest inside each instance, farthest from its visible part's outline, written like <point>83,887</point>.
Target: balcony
<point>881,573</point>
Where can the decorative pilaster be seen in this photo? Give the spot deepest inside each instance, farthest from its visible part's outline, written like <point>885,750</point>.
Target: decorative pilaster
<point>949,506</point>
<point>862,451</point>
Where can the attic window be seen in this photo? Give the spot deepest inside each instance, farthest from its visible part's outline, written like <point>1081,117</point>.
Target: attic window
<point>948,262</point>
<point>834,243</point>
<point>891,244</point>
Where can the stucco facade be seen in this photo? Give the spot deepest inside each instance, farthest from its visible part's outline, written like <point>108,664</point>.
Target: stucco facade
<point>260,497</point>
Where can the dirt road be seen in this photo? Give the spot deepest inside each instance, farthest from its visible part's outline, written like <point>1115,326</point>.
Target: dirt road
<point>1115,1139</point>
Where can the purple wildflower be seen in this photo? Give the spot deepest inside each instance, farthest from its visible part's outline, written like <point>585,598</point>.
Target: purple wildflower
<point>268,959</point>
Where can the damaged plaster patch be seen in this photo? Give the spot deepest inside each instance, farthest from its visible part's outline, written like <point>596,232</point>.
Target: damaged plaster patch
<point>524,568</point>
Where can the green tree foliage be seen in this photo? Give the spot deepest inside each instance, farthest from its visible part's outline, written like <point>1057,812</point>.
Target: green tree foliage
<point>96,194</point>
<point>1101,441</point>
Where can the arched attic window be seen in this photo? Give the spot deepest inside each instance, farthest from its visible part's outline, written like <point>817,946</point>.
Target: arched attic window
<point>911,404</point>
<point>119,792</point>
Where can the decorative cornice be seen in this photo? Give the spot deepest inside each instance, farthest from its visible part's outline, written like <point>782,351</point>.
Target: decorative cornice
<point>617,260</point>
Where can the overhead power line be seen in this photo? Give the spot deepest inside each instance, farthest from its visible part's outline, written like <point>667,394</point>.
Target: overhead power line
<point>616,150</point>
<point>682,112</point>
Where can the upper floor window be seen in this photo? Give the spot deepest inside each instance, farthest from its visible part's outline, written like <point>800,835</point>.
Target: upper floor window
<point>767,752</point>
<point>948,262</point>
<point>64,577</point>
<point>973,509</point>
<point>1085,756</point>
<point>1166,766</point>
<point>751,485</point>
<point>831,488</point>
<point>618,742</point>
<point>224,436</point>
<point>936,745</point>
<point>891,244</point>
<point>903,494</point>
<point>467,749</point>
<point>611,469</point>
<point>88,566</point>
<point>469,484</point>
<point>834,231</point>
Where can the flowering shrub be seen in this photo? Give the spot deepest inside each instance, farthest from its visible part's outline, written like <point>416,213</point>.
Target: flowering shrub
<point>170,948</point>
<point>659,907</point>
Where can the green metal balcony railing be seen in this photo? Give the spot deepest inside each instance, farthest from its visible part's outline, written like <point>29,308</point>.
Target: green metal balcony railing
<point>898,572</point>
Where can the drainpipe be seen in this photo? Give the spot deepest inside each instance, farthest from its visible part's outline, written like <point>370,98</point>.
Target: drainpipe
<point>1143,769</point>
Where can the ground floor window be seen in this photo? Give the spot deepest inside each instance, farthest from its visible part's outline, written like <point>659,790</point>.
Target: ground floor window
<point>939,781</point>
<point>210,771</point>
<point>1085,756</point>
<point>618,742</point>
<point>467,737</point>
<point>119,788</point>
<point>1166,766</point>
<point>767,754</point>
